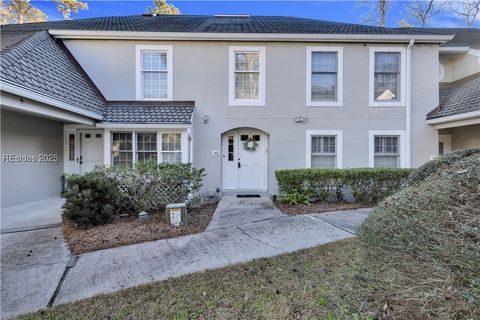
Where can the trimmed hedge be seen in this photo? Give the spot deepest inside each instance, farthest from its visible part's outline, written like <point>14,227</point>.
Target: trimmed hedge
<point>367,184</point>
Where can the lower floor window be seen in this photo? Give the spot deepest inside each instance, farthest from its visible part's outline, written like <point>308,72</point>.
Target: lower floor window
<point>122,149</point>
<point>171,148</point>
<point>386,151</point>
<point>323,152</point>
<point>131,147</point>
<point>146,146</point>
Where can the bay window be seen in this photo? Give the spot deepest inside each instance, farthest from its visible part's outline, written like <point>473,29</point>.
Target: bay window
<point>171,148</point>
<point>122,148</point>
<point>129,147</point>
<point>146,146</point>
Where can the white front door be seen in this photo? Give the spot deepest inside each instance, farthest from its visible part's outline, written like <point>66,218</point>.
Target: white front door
<point>91,149</point>
<point>244,160</point>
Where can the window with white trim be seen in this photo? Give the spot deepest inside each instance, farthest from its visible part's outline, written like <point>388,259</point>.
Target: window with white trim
<point>324,148</point>
<point>324,76</point>
<point>146,146</point>
<point>154,73</point>
<point>324,152</point>
<point>247,76</point>
<point>129,147</point>
<point>171,147</point>
<point>387,76</point>
<point>387,151</point>
<point>122,148</point>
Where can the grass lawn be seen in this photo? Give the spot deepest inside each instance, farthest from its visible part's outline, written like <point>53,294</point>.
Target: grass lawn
<point>325,282</point>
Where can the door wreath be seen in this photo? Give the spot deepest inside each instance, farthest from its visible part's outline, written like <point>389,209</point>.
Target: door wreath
<point>250,144</point>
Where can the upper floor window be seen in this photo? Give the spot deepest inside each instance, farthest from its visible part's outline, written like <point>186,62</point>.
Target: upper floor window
<point>247,76</point>
<point>324,149</point>
<point>154,73</point>
<point>324,76</point>
<point>387,76</point>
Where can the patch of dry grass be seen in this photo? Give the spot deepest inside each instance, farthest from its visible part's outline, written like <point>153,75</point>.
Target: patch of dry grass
<point>325,282</point>
<point>317,207</point>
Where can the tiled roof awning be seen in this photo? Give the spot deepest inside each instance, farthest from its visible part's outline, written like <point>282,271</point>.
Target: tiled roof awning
<point>179,112</point>
<point>458,97</point>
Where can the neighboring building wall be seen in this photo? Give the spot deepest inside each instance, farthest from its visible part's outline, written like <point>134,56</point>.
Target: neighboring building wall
<point>201,73</point>
<point>466,137</point>
<point>425,88</point>
<point>23,134</point>
<point>459,66</point>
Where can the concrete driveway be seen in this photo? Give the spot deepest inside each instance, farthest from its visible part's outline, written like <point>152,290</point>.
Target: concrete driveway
<point>33,256</point>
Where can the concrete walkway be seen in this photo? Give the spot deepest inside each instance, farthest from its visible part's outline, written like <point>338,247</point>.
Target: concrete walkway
<point>33,215</point>
<point>233,211</point>
<point>262,231</point>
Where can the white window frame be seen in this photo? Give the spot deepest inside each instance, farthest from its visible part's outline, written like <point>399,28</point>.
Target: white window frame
<point>184,134</point>
<point>326,103</point>
<point>401,147</point>
<point>403,72</point>
<point>138,63</point>
<point>260,102</point>
<point>338,146</point>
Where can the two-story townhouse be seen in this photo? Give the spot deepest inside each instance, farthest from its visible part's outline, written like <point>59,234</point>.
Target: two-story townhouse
<point>241,96</point>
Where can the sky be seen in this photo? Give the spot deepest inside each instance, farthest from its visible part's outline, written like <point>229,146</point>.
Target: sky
<point>342,11</point>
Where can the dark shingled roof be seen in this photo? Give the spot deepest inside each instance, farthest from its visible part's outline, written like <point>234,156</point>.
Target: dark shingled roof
<point>458,97</point>
<point>149,112</point>
<point>216,24</point>
<point>464,37</point>
<point>37,62</point>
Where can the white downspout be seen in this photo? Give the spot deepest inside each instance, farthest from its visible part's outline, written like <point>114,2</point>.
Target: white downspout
<point>408,105</point>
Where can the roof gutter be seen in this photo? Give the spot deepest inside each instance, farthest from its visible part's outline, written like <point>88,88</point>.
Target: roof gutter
<point>210,36</point>
<point>456,117</point>
<point>29,94</point>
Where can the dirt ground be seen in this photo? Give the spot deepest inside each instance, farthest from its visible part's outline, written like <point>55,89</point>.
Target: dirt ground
<point>131,230</point>
<point>318,207</point>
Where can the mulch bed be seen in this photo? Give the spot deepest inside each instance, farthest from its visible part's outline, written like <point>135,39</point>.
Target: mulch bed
<point>318,207</point>
<point>131,230</point>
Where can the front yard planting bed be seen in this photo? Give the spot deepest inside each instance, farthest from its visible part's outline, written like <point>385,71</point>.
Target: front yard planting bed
<point>131,230</point>
<point>318,207</point>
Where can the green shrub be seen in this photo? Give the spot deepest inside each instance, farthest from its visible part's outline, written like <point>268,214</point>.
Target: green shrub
<point>294,199</point>
<point>90,199</point>
<point>150,187</point>
<point>424,242</point>
<point>366,184</point>
<point>430,167</point>
<point>95,197</point>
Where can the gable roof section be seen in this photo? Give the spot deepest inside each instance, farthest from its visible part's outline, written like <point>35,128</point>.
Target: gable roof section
<point>217,24</point>
<point>36,62</point>
<point>459,97</point>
